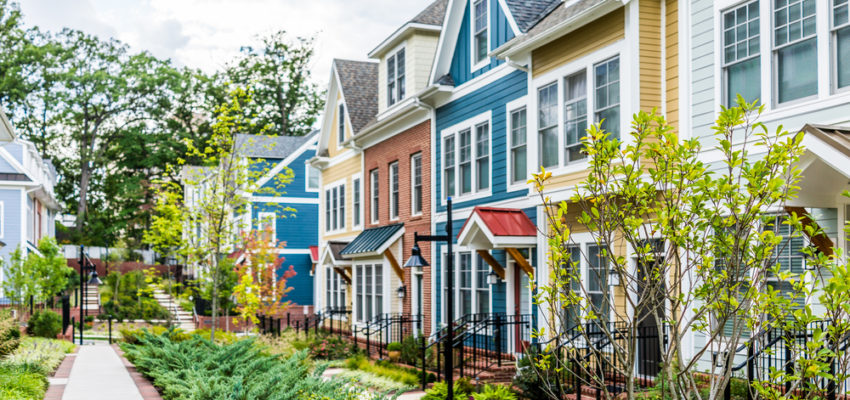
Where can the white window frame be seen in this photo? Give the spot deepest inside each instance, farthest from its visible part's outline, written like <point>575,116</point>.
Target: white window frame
<point>307,169</point>
<point>399,91</point>
<point>455,131</point>
<point>416,204</point>
<point>475,64</point>
<point>833,49</point>
<point>456,282</point>
<point>393,189</point>
<point>510,108</point>
<point>724,64</point>
<point>336,292</point>
<point>361,273</point>
<point>586,63</point>
<point>774,58</point>
<point>357,209</point>
<point>374,195</point>
<point>337,214</point>
<point>340,122</point>
<point>262,220</point>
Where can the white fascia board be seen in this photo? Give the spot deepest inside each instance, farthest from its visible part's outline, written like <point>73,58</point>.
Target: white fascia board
<point>448,39</point>
<point>286,161</point>
<point>399,34</point>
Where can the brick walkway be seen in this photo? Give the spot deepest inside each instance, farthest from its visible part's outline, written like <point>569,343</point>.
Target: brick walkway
<point>60,378</point>
<point>147,390</point>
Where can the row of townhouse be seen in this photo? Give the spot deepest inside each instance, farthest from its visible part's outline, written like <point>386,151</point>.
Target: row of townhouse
<point>468,98</point>
<point>28,203</point>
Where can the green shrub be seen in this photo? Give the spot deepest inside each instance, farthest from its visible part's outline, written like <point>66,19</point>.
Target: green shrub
<point>394,346</point>
<point>132,335</point>
<point>440,391</point>
<point>197,369</point>
<point>383,369</point>
<point>10,334</point>
<point>21,382</point>
<point>45,323</point>
<point>45,355</point>
<point>411,350</point>
<point>331,348</point>
<point>527,379</point>
<point>367,379</point>
<point>494,392</point>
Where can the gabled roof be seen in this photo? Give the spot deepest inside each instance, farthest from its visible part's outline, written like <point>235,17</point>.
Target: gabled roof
<point>835,136</point>
<point>7,132</point>
<point>492,227</point>
<point>359,85</point>
<point>264,146</point>
<point>433,14</point>
<point>429,19</point>
<point>373,241</point>
<point>335,248</point>
<point>527,13</point>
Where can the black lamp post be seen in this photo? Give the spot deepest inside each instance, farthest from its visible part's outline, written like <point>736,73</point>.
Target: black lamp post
<point>417,261</point>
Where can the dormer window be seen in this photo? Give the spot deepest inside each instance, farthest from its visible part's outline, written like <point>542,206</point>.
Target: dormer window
<point>481,42</point>
<point>395,78</point>
<point>341,128</point>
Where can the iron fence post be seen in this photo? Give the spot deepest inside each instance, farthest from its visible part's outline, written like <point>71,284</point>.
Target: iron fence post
<point>424,369</point>
<point>499,339</point>
<point>750,369</point>
<point>789,363</point>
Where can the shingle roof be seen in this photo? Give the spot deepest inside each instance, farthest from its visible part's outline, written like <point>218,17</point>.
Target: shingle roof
<point>336,249</point>
<point>555,16</point>
<point>433,14</point>
<point>359,80</point>
<point>835,136</point>
<point>526,13</point>
<point>264,146</point>
<point>370,240</point>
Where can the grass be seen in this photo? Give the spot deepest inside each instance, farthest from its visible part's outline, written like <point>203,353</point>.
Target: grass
<point>389,371</point>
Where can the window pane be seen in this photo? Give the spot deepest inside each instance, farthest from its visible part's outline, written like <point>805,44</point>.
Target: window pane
<point>369,291</point>
<point>518,138</point>
<point>743,78</point>
<point>379,289</point>
<point>465,269</point>
<point>575,114</point>
<point>597,278</point>
<point>547,100</point>
<point>843,57</point>
<point>359,310</point>
<point>400,73</point>
<point>342,207</point>
<point>798,73</point>
<point>356,202</point>
<point>480,30</point>
<point>465,161</point>
<point>482,162</point>
<point>840,13</point>
<point>608,96</point>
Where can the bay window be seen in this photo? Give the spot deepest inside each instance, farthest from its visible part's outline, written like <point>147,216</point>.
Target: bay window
<point>607,93</point>
<point>841,40</point>
<point>575,115</point>
<point>741,60</point>
<point>518,147</point>
<point>795,49</point>
<point>547,122</point>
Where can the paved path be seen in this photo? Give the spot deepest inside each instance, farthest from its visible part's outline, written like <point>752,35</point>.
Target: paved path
<point>98,373</point>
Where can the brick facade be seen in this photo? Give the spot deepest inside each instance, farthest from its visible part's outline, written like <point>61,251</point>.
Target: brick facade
<point>400,148</point>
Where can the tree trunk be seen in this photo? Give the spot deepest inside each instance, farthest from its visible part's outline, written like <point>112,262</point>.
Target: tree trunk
<point>214,296</point>
<point>85,177</point>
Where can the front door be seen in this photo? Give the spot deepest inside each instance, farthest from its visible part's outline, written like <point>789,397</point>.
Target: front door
<point>650,304</point>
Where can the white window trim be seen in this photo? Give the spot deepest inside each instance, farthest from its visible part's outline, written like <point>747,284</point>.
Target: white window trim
<point>330,187</point>
<point>374,178</point>
<point>394,208</point>
<point>724,65</point>
<point>307,187</point>
<point>456,282</point>
<point>262,219</point>
<point>357,177</point>
<point>587,62</point>
<point>475,66</point>
<point>843,221</point>
<point>358,297</point>
<point>393,54</point>
<point>510,107</point>
<point>413,184</point>
<point>833,51</point>
<point>470,124</point>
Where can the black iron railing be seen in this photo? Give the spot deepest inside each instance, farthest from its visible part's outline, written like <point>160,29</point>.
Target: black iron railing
<point>777,348</point>
<point>588,358</point>
<point>384,329</point>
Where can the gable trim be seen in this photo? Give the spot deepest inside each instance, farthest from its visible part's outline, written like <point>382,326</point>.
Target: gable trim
<point>510,16</point>
<point>286,161</point>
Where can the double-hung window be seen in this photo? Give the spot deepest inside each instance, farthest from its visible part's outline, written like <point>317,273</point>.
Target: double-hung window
<point>572,311</point>
<point>465,270</point>
<point>518,146</point>
<point>335,290</point>
<point>547,123</point>
<point>575,115</point>
<point>449,165</point>
<point>358,308</point>
<point>328,210</point>
<point>266,224</point>
<point>480,39</point>
<point>597,282</point>
<point>393,184</point>
<point>741,60</point>
<point>841,40</point>
<point>788,256</point>
<point>795,49</point>
<point>416,184</point>
<point>482,289</point>
<point>335,208</point>
<point>373,178</point>
<point>341,126</point>
<point>312,178</point>
<point>482,156</point>
<point>607,93</point>
<point>370,286</point>
<point>395,77</point>
<point>356,201</point>
<point>465,161</point>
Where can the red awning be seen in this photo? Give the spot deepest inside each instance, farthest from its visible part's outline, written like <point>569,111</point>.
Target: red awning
<point>314,253</point>
<point>492,227</point>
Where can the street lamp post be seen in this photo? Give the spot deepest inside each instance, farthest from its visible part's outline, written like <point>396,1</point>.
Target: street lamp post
<point>417,261</point>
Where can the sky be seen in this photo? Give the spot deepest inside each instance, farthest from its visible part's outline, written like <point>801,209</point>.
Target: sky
<point>206,34</point>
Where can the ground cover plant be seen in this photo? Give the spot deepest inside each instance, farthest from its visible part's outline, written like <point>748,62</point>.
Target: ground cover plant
<point>23,373</point>
<point>129,296</point>
<point>198,369</point>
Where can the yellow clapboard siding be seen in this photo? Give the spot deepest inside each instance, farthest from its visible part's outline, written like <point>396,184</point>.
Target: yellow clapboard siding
<point>672,53</point>
<point>650,54</point>
<point>594,36</point>
<point>331,175</point>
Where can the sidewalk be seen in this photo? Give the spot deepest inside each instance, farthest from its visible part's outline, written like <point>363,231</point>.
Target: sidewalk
<point>98,373</point>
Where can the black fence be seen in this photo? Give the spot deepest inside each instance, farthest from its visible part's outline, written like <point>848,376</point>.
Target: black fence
<point>777,349</point>
<point>589,358</point>
<point>384,329</point>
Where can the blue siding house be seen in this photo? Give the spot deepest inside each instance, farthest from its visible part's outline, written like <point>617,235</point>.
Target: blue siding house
<point>479,162</point>
<point>292,208</point>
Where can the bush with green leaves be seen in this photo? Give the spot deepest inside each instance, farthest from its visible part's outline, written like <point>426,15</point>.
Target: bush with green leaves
<point>494,392</point>
<point>462,389</point>
<point>23,374</point>
<point>128,297</point>
<point>411,350</point>
<point>45,323</point>
<point>394,346</point>
<point>383,369</point>
<point>197,369</point>
<point>10,334</point>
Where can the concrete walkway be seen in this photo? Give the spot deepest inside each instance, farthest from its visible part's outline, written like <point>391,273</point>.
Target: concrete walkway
<point>98,373</point>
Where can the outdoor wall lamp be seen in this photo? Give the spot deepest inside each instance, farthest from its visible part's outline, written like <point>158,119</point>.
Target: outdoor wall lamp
<point>400,292</point>
<point>493,278</point>
<point>613,277</point>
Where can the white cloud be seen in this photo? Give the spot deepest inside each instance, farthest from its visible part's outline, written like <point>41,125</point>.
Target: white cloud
<point>208,33</point>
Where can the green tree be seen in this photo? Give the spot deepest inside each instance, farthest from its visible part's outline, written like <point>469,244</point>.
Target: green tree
<point>18,283</point>
<point>286,101</point>
<point>38,275</point>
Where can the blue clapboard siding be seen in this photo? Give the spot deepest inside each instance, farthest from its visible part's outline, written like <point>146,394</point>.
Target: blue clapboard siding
<point>12,221</point>
<point>491,98</point>
<point>302,282</point>
<point>500,32</point>
<point>299,228</point>
<point>298,186</point>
